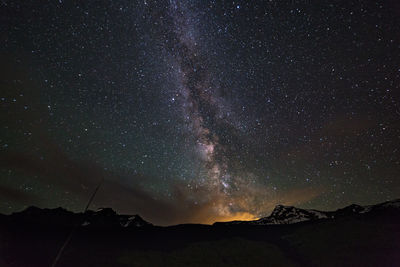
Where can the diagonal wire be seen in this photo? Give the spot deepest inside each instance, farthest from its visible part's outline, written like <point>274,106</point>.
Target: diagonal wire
<point>57,258</point>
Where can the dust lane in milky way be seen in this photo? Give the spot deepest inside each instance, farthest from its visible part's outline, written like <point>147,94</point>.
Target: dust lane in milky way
<point>201,109</point>
<point>205,114</point>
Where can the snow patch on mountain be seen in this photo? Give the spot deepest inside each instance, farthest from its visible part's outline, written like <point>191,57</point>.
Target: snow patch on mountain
<point>132,221</point>
<point>290,215</point>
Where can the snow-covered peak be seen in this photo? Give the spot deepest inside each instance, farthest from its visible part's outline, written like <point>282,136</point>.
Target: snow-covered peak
<point>132,221</point>
<point>288,215</point>
<point>281,210</point>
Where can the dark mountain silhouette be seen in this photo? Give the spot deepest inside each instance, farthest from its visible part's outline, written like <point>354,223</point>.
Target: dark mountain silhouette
<point>352,236</point>
<point>104,217</point>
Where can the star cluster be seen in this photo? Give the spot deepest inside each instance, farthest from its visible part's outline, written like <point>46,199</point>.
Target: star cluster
<point>197,111</point>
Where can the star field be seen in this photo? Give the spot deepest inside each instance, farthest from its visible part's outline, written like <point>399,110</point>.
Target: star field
<point>198,111</point>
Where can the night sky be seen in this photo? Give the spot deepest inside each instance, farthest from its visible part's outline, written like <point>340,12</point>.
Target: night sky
<point>199,111</point>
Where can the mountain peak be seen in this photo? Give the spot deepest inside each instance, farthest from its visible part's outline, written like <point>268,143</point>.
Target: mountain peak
<point>103,217</point>
<point>288,214</point>
<point>279,209</point>
<point>106,212</point>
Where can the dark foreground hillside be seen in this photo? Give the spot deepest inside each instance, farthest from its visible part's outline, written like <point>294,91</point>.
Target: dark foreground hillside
<point>366,239</point>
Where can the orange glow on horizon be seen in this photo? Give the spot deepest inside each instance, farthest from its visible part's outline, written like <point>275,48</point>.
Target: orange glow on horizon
<point>239,216</point>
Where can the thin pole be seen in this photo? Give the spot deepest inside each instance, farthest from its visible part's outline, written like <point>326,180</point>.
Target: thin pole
<point>57,258</point>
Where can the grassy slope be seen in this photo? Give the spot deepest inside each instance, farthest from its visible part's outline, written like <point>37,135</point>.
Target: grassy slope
<point>355,241</point>
<point>227,252</point>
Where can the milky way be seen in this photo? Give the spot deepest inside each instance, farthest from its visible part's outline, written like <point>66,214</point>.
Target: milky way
<point>205,112</point>
<point>199,111</point>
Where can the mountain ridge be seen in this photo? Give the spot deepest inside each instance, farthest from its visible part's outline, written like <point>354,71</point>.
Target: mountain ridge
<point>351,236</point>
<point>107,217</point>
<point>103,217</point>
<point>290,215</point>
